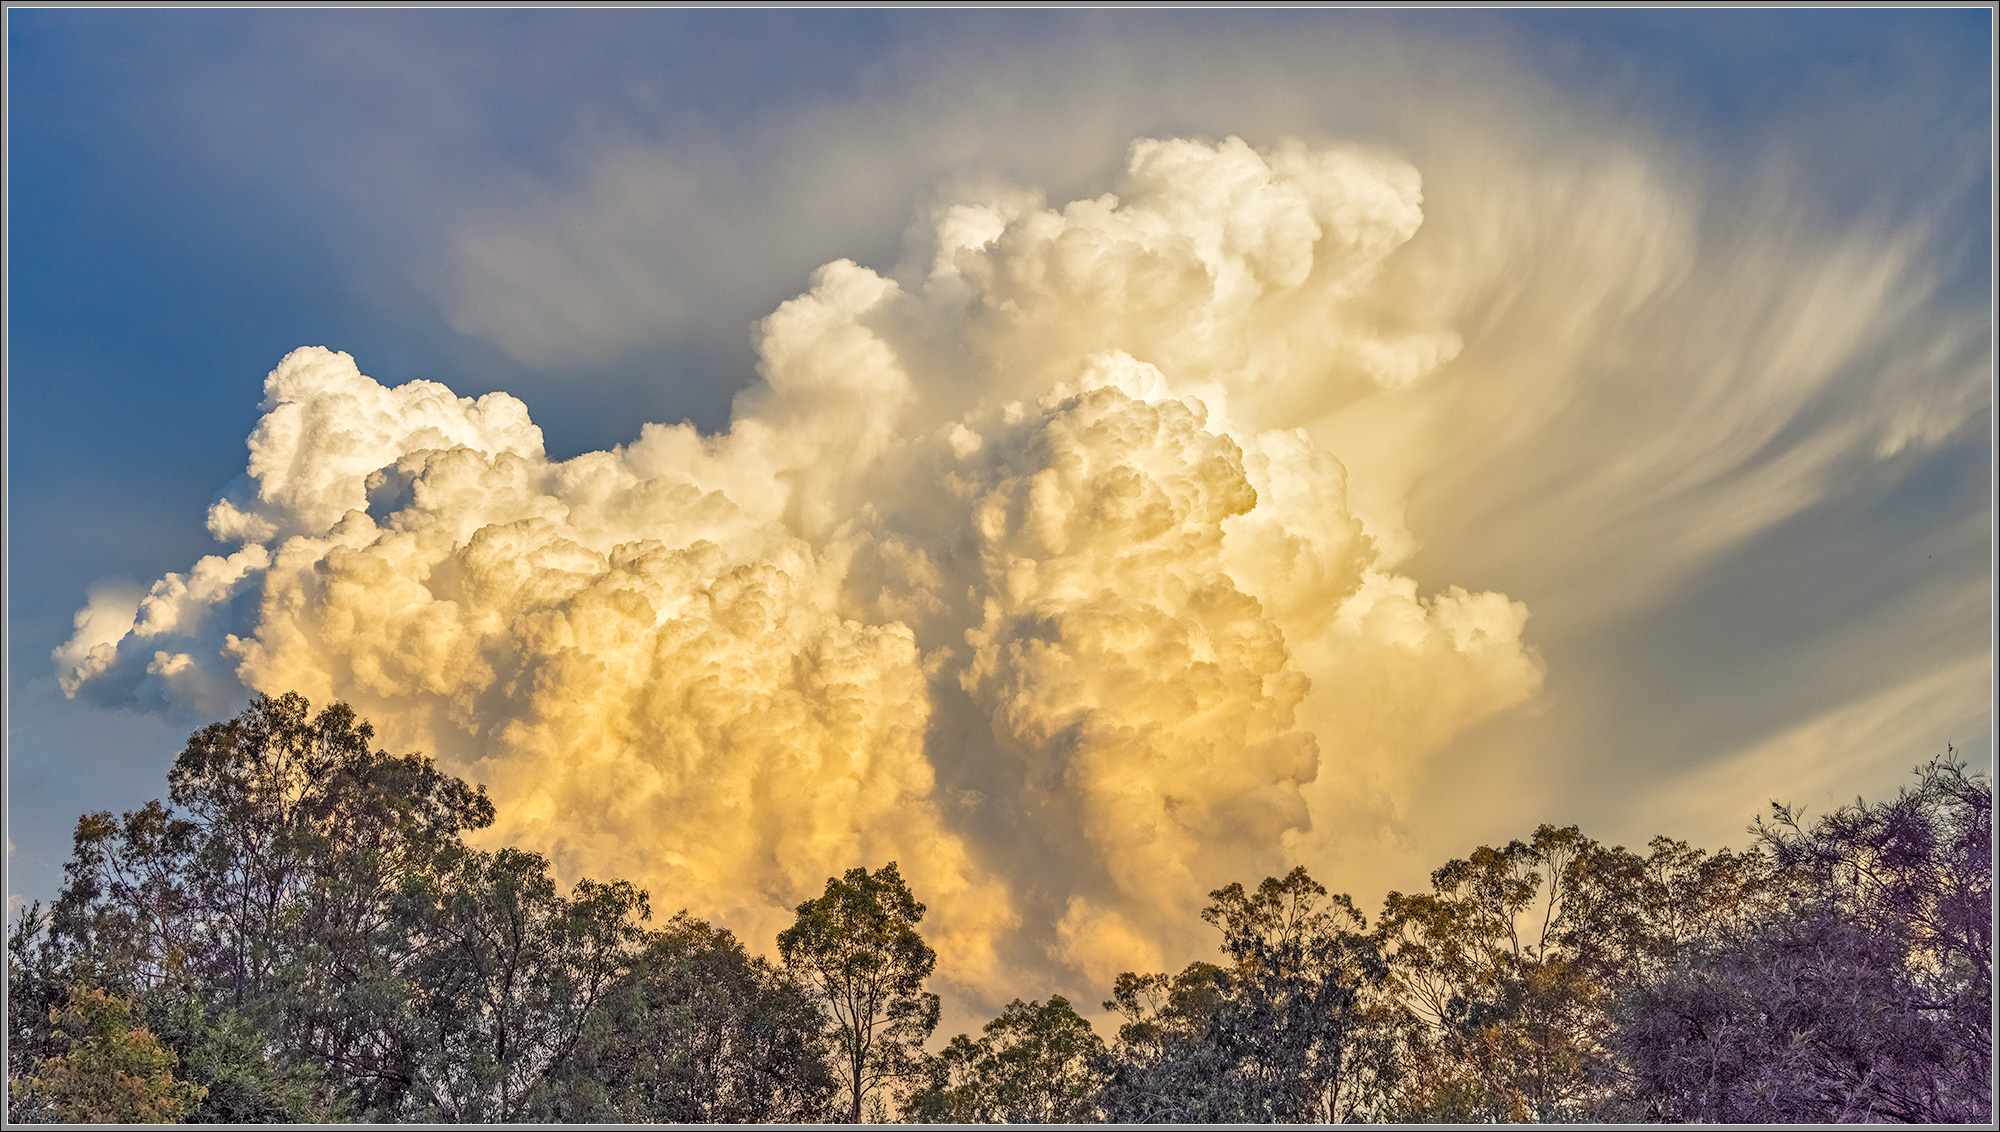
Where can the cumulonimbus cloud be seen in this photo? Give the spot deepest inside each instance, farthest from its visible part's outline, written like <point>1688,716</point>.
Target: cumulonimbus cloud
<point>1018,567</point>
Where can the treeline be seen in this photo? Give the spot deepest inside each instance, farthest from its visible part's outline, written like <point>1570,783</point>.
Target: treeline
<point>300,933</point>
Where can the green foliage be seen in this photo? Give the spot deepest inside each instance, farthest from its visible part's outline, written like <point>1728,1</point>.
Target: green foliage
<point>1502,978</point>
<point>300,933</point>
<point>303,927</point>
<point>248,1081</point>
<point>1038,1063</point>
<point>113,1072</point>
<point>1284,1034</point>
<point>36,991</point>
<point>508,981</point>
<point>857,947</point>
<point>699,1031</point>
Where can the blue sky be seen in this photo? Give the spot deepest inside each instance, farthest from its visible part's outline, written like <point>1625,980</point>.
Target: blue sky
<point>589,211</point>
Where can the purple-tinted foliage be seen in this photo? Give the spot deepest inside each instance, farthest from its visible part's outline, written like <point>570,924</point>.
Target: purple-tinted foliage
<point>1810,1020</point>
<point>1865,993</point>
<point>1917,870</point>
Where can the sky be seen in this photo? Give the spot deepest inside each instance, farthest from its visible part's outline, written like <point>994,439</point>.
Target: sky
<point>1451,421</point>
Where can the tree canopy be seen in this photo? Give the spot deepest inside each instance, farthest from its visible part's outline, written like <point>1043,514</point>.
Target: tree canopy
<point>301,932</point>
<point>857,947</point>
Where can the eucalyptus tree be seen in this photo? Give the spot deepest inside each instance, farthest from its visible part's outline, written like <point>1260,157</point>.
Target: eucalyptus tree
<point>113,1070</point>
<point>1037,1063</point>
<point>1502,978</point>
<point>1299,1025</point>
<point>1287,1032</point>
<point>507,980</point>
<point>1864,991</point>
<point>301,925</point>
<point>1166,1066</point>
<point>856,946</point>
<point>263,896</point>
<point>699,1031</point>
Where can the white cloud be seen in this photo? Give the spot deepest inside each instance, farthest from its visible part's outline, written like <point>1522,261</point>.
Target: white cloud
<point>1016,574</point>
<point>1025,535</point>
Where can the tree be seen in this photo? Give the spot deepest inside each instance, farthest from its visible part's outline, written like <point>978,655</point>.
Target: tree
<point>1503,977</point>
<point>1304,967</point>
<point>857,947</point>
<point>292,817</point>
<point>1918,871</point>
<point>1803,1021</point>
<point>1285,1033</point>
<point>508,980</point>
<point>302,926</point>
<point>698,1031</point>
<point>270,887</point>
<point>1167,1067</point>
<point>35,995</point>
<point>1037,1063</point>
<point>113,1073</point>
<point>1864,991</point>
<point>248,1078</point>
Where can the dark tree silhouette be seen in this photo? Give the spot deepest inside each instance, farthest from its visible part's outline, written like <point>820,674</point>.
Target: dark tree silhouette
<point>1038,1063</point>
<point>857,946</point>
<point>299,932</point>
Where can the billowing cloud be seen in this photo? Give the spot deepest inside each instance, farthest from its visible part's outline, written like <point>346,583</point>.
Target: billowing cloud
<point>1019,567</point>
